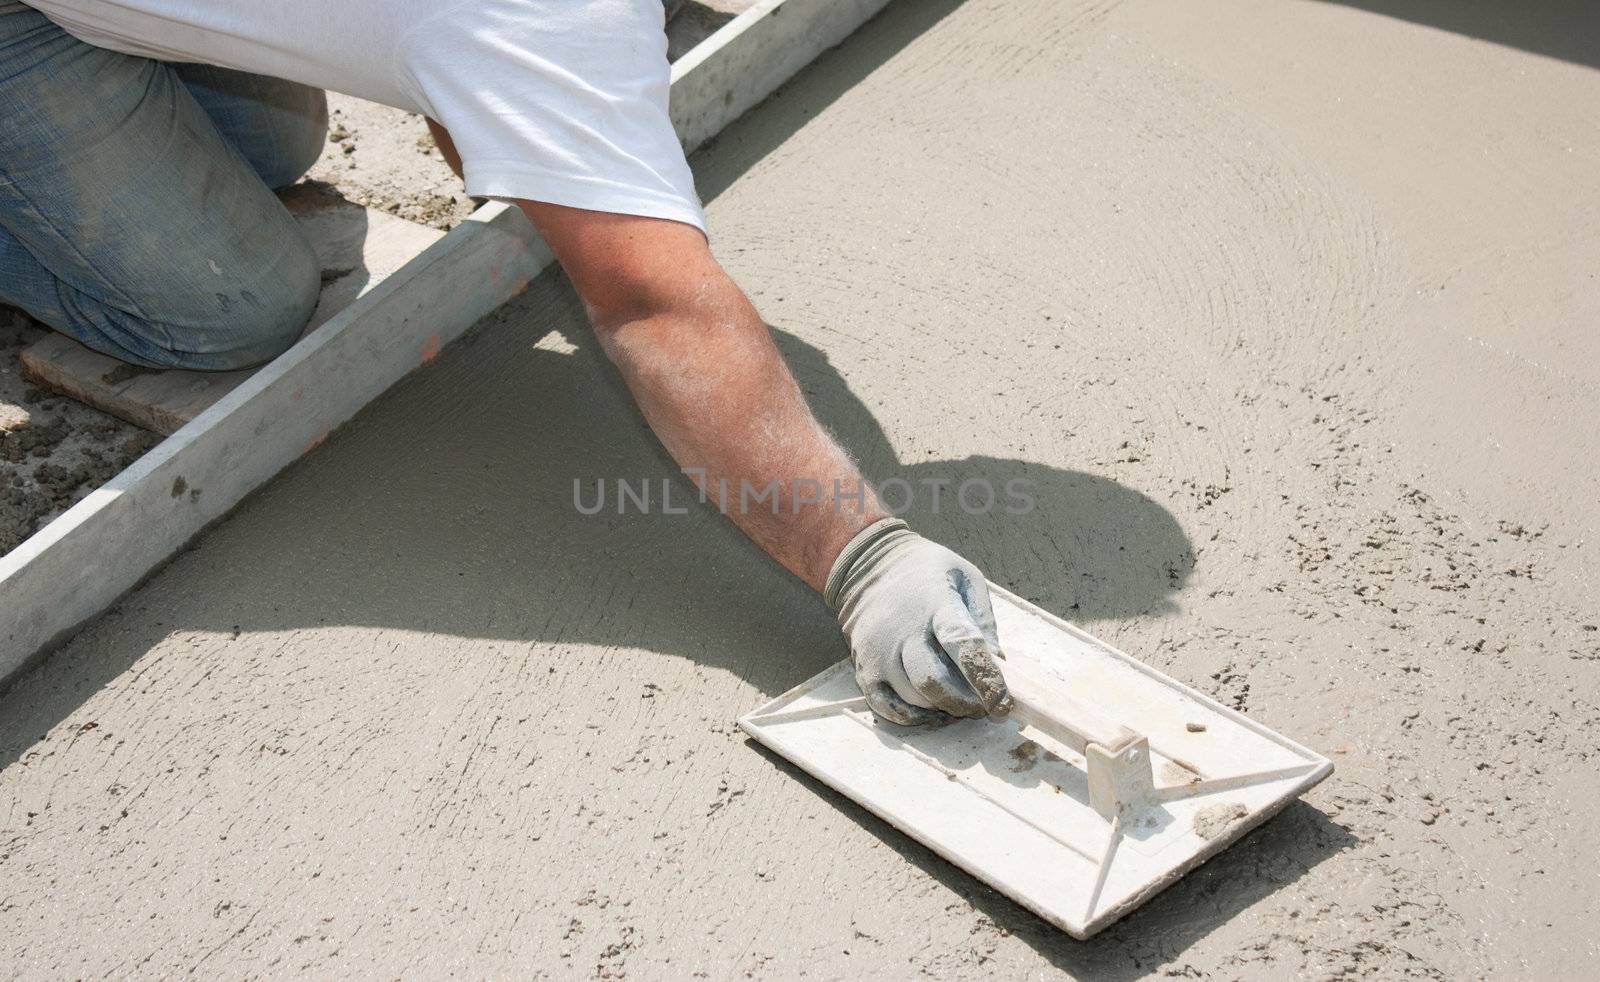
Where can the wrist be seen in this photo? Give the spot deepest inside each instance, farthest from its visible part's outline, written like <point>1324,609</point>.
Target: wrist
<point>827,532</point>
<point>855,554</point>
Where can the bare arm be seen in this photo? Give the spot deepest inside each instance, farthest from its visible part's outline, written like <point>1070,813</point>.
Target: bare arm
<point>703,368</point>
<point>705,373</point>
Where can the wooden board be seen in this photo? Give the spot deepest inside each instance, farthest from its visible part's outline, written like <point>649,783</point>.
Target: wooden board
<point>358,248</point>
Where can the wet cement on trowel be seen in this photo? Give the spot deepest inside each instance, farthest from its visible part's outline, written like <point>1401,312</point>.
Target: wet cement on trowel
<point>1214,820</point>
<point>1285,308</point>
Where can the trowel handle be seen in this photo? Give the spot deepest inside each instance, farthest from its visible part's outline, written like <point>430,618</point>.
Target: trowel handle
<point>1061,717</point>
<point>1116,759</point>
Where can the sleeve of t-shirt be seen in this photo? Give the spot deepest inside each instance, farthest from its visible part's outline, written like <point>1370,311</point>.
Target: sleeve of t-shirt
<point>557,101</point>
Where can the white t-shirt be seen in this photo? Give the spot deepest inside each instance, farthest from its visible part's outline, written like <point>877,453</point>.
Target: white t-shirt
<point>552,100</point>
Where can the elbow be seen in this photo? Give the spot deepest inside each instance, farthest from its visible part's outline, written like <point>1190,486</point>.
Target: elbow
<point>630,314</point>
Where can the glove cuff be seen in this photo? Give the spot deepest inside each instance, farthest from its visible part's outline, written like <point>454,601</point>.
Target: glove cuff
<point>853,551</point>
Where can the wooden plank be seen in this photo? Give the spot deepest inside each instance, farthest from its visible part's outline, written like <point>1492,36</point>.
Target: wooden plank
<point>358,248</point>
<point>79,564</point>
<point>744,62</point>
<point>156,400</point>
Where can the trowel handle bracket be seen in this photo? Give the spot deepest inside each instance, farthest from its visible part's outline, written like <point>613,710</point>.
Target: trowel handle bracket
<point>1120,779</point>
<point>1117,759</point>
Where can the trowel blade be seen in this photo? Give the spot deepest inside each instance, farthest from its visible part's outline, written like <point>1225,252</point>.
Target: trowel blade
<point>1012,808</point>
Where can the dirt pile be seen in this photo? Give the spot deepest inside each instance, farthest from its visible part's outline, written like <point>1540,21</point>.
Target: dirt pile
<point>53,450</point>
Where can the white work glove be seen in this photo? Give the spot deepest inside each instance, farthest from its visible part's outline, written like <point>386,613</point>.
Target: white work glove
<point>921,632</point>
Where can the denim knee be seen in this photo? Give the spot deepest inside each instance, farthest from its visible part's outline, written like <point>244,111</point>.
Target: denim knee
<point>240,323</point>
<point>276,323</point>
<point>131,221</point>
<point>258,320</point>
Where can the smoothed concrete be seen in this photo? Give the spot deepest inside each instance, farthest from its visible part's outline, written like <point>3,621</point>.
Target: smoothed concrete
<point>1285,308</point>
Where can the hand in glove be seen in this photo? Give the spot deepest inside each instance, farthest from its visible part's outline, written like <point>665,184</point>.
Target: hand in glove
<point>921,632</point>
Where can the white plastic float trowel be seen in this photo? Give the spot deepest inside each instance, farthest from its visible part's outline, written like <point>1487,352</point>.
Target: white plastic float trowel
<point>1106,783</point>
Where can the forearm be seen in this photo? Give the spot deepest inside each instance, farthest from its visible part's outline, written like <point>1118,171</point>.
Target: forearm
<point>713,386</point>
<point>703,368</point>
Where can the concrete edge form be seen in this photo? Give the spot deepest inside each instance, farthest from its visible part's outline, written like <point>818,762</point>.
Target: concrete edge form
<point>80,564</point>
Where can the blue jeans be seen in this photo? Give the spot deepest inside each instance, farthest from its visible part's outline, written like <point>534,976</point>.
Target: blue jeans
<point>136,204</point>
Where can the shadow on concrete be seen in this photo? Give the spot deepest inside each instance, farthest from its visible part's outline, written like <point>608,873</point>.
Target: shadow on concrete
<point>448,507</point>
<point>1564,29</point>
